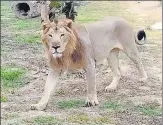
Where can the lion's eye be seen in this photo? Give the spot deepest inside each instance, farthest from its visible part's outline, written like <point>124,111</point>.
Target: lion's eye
<point>50,35</point>
<point>62,35</point>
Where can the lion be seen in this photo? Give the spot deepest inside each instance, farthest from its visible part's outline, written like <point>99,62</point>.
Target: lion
<point>71,46</point>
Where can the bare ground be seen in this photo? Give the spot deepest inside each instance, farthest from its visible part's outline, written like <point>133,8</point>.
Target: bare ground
<point>73,86</point>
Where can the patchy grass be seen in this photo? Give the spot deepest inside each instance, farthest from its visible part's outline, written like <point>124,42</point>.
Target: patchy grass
<point>11,116</point>
<point>83,118</point>
<point>3,98</point>
<point>113,105</point>
<point>80,118</point>
<point>44,120</point>
<point>68,104</point>
<point>25,28</point>
<point>75,118</point>
<point>13,122</point>
<point>26,24</point>
<point>149,110</point>
<point>90,13</point>
<point>8,18</point>
<point>102,120</point>
<point>34,38</point>
<point>60,92</point>
<point>11,77</point>
<point>6,14</point>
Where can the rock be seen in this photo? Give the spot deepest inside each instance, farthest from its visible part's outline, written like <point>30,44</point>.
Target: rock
<point>26,9</point>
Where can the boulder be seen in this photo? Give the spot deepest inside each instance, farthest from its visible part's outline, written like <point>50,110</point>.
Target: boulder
<point>26,9</point>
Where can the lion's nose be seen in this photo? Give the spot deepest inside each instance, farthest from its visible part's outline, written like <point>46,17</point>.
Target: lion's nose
<point>56,47</point>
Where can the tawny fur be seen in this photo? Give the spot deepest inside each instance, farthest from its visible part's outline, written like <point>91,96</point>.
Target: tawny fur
<point>87,45</point>
<point>73,55</point>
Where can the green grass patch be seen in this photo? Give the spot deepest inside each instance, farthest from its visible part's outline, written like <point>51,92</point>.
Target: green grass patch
<point>90,13</point>
<point>113,105</point>
<point>78,118</point>
<point>26,24</point>
<point>60,92</point>
<point>28,38</point>
<point>149,110</point>
<point>44,120</point>
<point>6,13</point>
<point>11,77</point>
<point>83,118</point>
<point>102,120</point>
<point>68,104</point>
<point>75,118</point>
<point>3,98</point>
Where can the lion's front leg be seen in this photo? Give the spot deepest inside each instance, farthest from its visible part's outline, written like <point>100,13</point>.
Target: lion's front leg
<point>49,86</point>
<point>91,85</point>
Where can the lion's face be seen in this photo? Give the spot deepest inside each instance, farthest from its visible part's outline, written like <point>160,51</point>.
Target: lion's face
<point>57,40</point>
<point>57,35</point>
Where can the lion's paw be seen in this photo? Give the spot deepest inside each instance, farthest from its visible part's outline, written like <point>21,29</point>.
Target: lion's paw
<point>91,100</point>
<point>91,103</point>
<point>38,107</point>
<point>110,88</point>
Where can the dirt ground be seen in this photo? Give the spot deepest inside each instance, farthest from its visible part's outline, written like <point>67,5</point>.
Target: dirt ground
<point>73,85</point>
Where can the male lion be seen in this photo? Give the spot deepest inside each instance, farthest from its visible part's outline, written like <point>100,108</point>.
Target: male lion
<point>72,46</point>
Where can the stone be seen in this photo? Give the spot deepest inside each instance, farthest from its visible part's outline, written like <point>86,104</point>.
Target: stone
<point>26,9</point>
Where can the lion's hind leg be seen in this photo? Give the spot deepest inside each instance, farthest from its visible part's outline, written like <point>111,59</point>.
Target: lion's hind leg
<point>114,65</point>
<point>132,53</point>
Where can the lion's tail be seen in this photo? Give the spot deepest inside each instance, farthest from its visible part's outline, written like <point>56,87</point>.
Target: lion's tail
<point>140,37</point>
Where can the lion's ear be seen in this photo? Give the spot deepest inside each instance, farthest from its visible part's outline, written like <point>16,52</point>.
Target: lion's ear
<point>69,23</point>
<point>46,26</point>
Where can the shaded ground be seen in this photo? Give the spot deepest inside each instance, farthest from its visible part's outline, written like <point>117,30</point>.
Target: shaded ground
<point>134,103</point>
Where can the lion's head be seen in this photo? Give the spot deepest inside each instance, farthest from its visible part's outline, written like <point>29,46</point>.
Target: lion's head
<point>62,43</point>
<point>58,36</point>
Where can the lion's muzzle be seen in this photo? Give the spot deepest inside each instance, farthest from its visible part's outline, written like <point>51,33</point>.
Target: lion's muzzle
<point>55,51</point>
